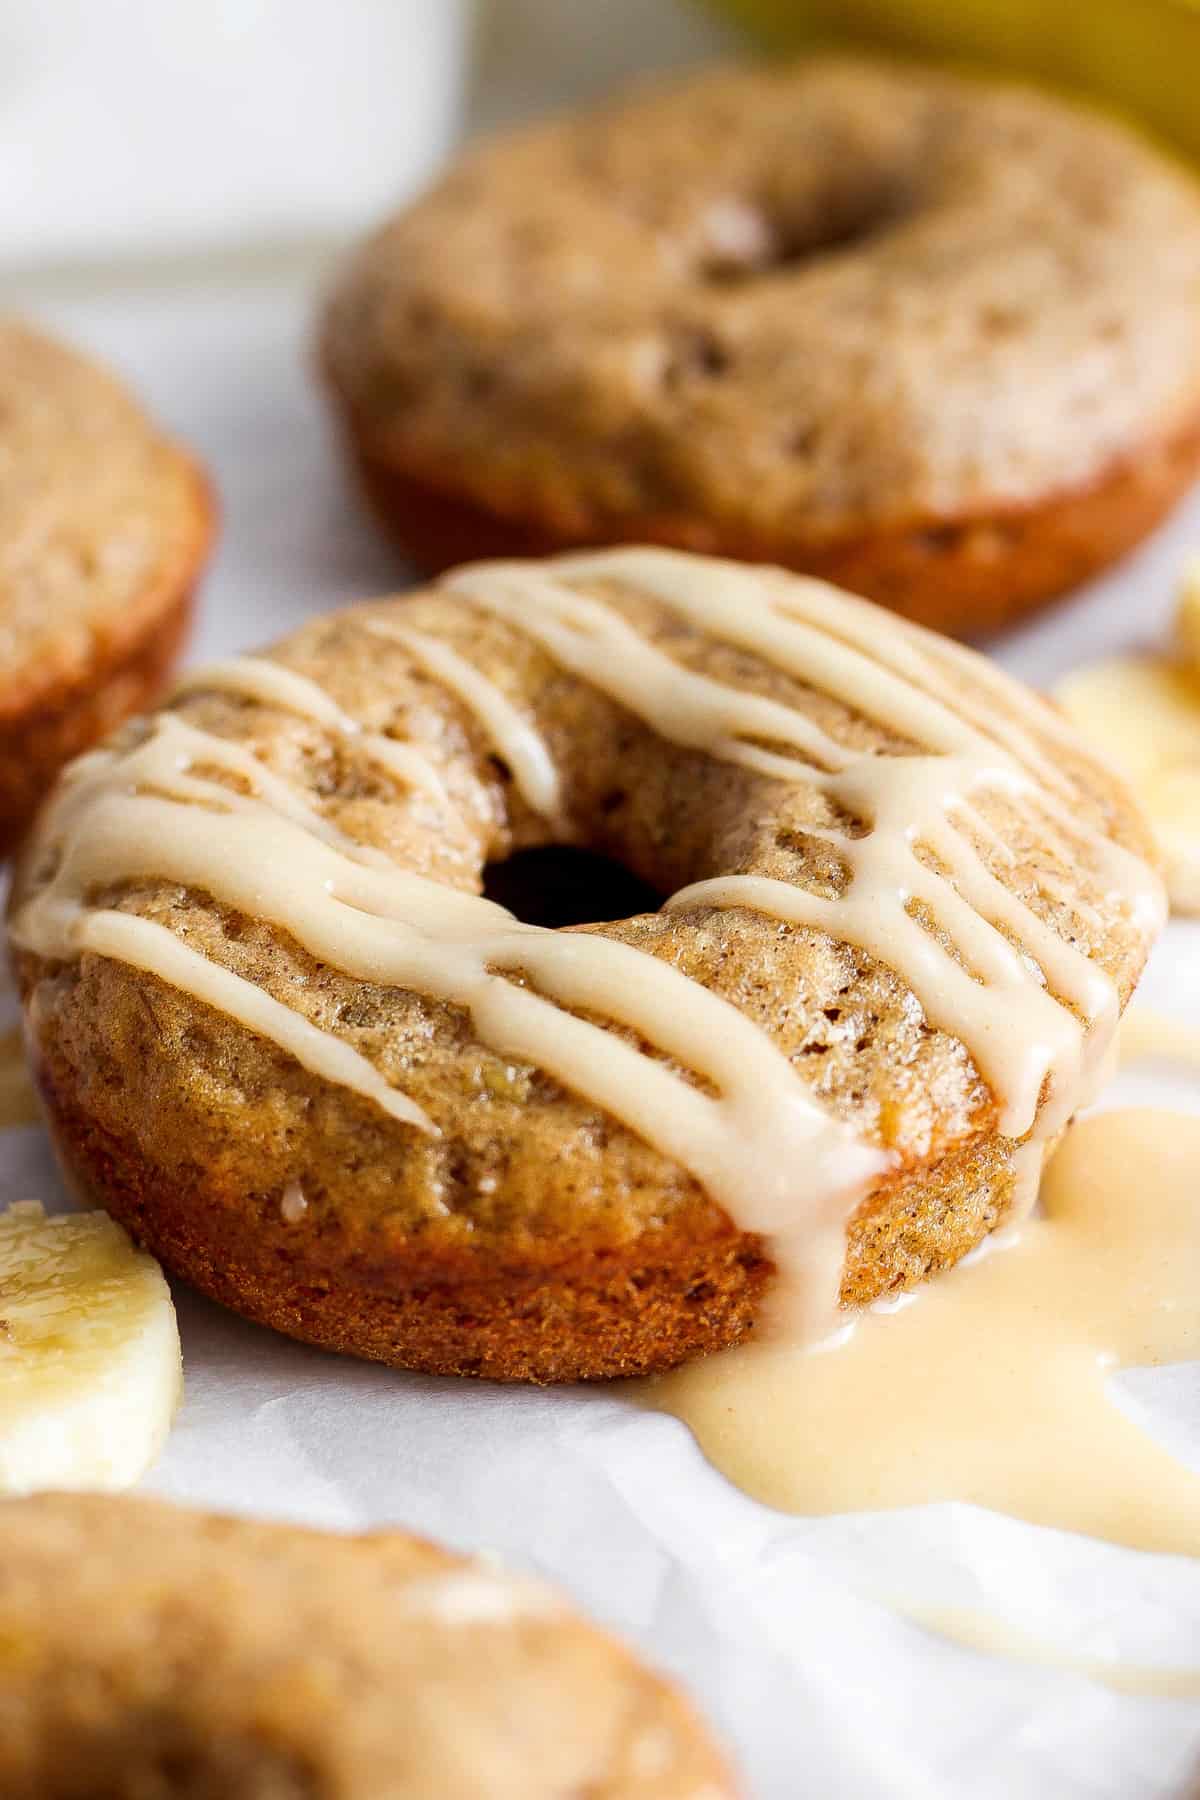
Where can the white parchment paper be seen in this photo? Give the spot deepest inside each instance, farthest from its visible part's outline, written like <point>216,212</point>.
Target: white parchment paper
<point>784,1629</point>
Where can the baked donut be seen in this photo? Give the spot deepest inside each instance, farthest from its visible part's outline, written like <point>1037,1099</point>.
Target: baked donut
<point>930,337</point>
<point>104,528</point>
<point>150,1650</point>
<point>282,1037</point>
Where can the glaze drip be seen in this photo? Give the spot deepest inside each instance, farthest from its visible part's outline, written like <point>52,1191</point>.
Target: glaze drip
<point>991,1385</point>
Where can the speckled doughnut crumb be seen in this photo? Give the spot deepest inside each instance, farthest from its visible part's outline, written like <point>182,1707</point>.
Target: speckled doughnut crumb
<point>152,1653</point>
<point>532,1234</point>
<point>104,528</point>
<point>935,339</point>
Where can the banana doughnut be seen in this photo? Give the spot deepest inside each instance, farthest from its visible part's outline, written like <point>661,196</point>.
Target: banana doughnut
<point>933,338</point>
<point>894,910</point>
<point>150,1650</point>
<point>104,528</point>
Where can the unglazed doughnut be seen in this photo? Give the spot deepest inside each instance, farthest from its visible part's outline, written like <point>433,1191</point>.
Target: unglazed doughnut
<point>152,1651</point>
<point>281,1037</point>
<point>934,338</point>
<point>104,527</point>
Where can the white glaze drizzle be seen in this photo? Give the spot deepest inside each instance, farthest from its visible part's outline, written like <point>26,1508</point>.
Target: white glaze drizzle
<point>271,684</point>
<point>687,708</point>
<point>189,748</point>
<point>913,654</point>
<point>1005,1004</point>
<point>744,1144</point>
<point>144,944</point>
<point>799,629</point>
<point>508,731</point>
<point>1036,1019</point>
<point>733,603</point>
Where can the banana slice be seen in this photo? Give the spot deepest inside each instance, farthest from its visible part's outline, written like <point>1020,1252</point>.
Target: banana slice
<point>90,1372</point>
<point>1171,797</point>
<point>1143,714</point>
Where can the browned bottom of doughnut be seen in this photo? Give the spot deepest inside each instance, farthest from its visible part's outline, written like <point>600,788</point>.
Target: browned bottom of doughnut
<point>966,576</point>
<point>581,1314</point>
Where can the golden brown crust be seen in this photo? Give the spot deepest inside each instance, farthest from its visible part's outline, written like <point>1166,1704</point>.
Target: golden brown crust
<point>104,530</point>
<point>932,338</point>
<point>151,1650</point>
<point>535,1237</point>
<point>38,738</point>
<point>690,1287</point>
<point>966,578</point>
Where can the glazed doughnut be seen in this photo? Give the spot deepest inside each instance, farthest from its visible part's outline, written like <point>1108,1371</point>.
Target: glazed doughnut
<point>933,338</point>
<point>104,528</point>
<point>282,1037</point>
<point>151,1650</point>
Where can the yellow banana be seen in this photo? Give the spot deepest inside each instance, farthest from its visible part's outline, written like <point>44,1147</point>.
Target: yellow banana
<point>1141,57</point>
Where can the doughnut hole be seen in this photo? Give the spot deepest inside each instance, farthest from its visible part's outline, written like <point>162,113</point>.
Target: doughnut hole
<point>743,238</point>
<point>557,885</point>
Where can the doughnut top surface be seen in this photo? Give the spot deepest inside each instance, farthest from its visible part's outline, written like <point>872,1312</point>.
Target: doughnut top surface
<point>838,297</point>
<point>100,516</point>
<point>151,1650</point>
<point>905,910</point>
